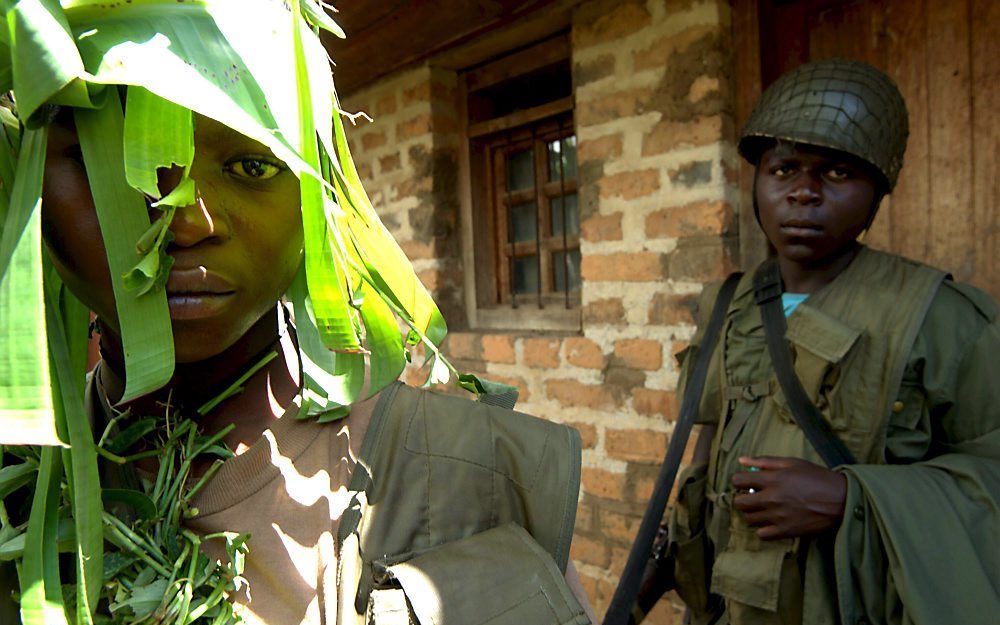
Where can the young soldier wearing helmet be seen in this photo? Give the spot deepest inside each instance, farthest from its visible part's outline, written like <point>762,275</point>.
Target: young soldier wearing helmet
<point>899,361</point>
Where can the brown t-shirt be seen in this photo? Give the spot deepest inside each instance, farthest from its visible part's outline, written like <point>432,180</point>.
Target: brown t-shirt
<point>288,491</point>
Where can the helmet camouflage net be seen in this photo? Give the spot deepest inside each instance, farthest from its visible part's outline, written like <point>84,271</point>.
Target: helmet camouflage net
<point>836,103</point>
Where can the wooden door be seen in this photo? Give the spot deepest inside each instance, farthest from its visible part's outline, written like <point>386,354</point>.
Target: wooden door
<point>943,54</point>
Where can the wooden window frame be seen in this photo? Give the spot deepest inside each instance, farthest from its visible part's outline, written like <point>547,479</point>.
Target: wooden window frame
<point>485,236</point>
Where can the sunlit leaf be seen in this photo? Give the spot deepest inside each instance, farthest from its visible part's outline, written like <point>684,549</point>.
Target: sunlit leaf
<point>144,321</point>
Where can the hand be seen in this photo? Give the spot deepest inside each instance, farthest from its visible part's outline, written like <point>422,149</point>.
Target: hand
<point>790,497</point>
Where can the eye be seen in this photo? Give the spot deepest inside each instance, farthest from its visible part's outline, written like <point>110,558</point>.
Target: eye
<point>839,173</point>
<point>781,170</point>
<point>254,167</point>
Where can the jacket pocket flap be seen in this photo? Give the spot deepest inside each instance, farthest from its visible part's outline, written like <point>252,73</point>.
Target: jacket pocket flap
<point>497,577</point>
<point>749,577</point>
<point>821,334</point>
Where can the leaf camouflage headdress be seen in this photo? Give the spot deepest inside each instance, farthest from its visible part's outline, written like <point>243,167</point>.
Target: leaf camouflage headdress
<point>258,67</point>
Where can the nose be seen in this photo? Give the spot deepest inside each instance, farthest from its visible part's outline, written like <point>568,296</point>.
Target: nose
<point>195,223</point>
<point>807,190</point>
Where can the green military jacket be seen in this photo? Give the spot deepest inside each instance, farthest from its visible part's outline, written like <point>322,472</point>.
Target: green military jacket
<point>904,366</point>
<point>462,514</point>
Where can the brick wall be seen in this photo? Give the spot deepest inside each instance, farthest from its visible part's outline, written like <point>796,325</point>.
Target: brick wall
<point>408,160</point>
<point>654,125</point>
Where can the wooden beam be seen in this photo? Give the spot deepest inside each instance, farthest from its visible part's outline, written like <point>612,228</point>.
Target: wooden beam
<point>747,71</point>
<point>521,118</point>
<point>528,60</point>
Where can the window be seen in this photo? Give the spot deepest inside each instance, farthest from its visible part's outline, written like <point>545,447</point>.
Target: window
<point>524,214</point>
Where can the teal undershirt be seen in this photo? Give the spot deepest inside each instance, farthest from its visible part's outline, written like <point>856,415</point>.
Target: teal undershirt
<point>791,301</point>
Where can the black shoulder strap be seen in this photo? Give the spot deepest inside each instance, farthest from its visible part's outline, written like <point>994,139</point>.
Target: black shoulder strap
<point>767,293</point>
<point>628,587</point>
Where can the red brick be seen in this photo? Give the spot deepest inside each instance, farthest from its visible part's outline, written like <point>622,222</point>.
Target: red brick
<point>644,487</point>
<point>657,55</point>
<point>589,551</point>
<point>424,124</point>
<point>573,393</point>
<point>602,228</point>
<point>417,93</point>
<point>690,219</point>
<point>584,517</point>
<point>600,149</point>
<point>603,483</point>
<point>643,354</point>
<point>420,125</point>
<point>604,311</point>
<point>588,436</point>
<point>373,140</point>
<point>612,106</point>
<point>623,267</point>
<point>388,163</point>
<point>498,348</point>
<point>698,260</point>
<point>702,86</point>
<point>463,345</point>
<point>433,279</point>
<point>647,401</point>
<point>542,353</point>
<point>670,135</point>
<point>365,171</point>
<point>412,186</point>
<point>386,105</point>
<point>640,445</point>
<point>583,352</point>
<point>668,310</point>
<point>629,185</point>
<point>589,587</point>
<point>668,611</point>
<point>625,19</point>
<point>619,526</point>
<point>418,249</point>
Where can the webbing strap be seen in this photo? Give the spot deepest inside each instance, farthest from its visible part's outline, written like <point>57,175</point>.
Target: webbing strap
<point>767,293</point>
<point>628,586</point>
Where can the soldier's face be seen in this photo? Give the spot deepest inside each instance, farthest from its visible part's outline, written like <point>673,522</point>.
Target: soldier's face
<point>813,202</point>
<point>235,250</point>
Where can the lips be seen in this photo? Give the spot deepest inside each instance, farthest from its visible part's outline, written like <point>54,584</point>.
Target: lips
<point>801,228</point>
<point>197,280</point>
<point>197,293</point>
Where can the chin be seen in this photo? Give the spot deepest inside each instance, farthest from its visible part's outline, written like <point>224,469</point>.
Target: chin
<point>197,344</point>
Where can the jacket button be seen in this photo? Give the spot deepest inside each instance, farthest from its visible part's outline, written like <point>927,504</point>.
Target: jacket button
<point>859,514</point>
<point>897,406</point>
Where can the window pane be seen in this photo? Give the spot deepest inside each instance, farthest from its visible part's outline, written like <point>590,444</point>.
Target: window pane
<point>526,275</point>
<point>520,171</point>
<point>524,219</point>
<point>564,151</point>
<point>572,216</point>
<point>559,270</point>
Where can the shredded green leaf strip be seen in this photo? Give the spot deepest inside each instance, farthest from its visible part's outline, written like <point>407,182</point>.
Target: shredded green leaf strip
<point>45,61</point>
<point>26,410</point>
<point>158,133</point>
<point>41,594</point>
<point>84,480</point>
<point>144,321</point>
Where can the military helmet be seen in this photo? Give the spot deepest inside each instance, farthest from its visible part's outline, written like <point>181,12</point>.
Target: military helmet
<point>835,103</point>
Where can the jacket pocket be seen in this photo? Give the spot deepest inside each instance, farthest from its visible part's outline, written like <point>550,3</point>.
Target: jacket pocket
<point>497,577</point>
<point>749,571</point>
<point>821,343</point>
<point>689,543</point>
